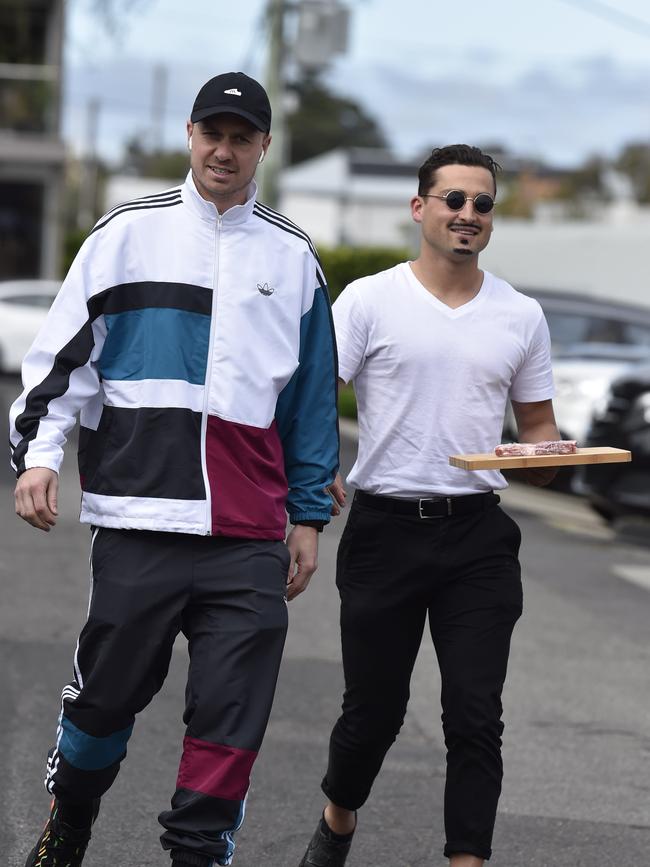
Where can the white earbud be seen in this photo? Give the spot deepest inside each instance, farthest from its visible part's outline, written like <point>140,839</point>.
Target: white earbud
<point>189,144</point>
<point>261,159</point>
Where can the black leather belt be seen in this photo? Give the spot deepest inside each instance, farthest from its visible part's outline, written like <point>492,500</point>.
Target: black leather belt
<point>429,507</point>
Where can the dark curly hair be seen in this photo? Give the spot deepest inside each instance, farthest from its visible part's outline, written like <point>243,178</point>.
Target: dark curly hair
<point>458,154</point>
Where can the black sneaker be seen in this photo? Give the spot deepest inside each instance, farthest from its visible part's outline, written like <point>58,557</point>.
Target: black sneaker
<point>61,844</point>
<point>326,849</point>
<point>184,858</point>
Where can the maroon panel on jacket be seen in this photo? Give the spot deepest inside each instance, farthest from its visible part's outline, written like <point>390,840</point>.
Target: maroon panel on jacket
<point>214,769</point>
<point>248,484</point>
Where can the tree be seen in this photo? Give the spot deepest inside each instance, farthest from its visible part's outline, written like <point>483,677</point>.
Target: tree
<point>324,121</point>
<point>586,181</point>
<point>114,13</point>
<point>172,164</point>
<point>634,161</point>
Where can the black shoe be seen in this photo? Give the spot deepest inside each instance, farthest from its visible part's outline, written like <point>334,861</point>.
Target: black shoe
<point>184,858</point>
<point>189,859</point>
<point>61,844</point>
<point>326,849</point>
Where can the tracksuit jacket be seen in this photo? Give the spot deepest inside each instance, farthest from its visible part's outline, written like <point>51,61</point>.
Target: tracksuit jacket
<point>199,351</point>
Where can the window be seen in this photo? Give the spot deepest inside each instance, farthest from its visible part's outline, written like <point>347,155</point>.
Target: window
<point>570,328</point>
<point>43,301</point>
<point>21,208</point>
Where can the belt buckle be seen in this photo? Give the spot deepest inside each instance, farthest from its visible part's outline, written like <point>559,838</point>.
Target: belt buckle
<point>433,500</point>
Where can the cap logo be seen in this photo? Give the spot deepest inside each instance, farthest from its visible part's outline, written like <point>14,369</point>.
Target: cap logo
<point>234,91</point>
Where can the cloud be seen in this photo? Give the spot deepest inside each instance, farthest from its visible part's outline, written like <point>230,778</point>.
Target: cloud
<point>562,113</point>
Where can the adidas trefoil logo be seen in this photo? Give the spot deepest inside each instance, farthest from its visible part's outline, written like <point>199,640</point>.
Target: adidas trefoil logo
<point>233,91</point>
<point>265,289</point>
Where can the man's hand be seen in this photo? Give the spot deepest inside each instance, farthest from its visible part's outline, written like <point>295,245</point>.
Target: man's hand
<point>338,494</point>
<point>36,497</point>
<point>535,422</point>
<point>539,477</point>
<point>302,543</point>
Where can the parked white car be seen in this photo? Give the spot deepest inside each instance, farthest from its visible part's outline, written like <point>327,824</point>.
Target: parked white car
<point>23,307</point>
<point>582,375</point>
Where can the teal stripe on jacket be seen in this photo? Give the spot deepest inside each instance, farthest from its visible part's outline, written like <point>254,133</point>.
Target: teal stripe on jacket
<point>156,343</point>
<point>306,414</point>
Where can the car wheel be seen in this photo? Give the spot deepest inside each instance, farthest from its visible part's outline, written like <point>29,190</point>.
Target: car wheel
<point>605,513</point>
<point>563,480</point>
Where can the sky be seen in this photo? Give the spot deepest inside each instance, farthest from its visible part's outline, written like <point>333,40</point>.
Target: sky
<point>559,80</point>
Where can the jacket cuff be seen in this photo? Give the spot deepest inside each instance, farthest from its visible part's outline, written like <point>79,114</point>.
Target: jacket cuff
<point>312,517</point>
<point>317,525</point>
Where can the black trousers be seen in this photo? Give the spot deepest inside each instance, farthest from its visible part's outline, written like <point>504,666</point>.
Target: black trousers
<point>463,571</point>
<point>228,597</point>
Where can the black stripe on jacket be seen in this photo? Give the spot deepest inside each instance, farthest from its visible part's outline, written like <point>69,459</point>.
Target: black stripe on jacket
<point>275,219</point>
<point>144,452</point>
<point>113,214</point>
<point>127,296</point>
<point>74,354</point>
<point>153,197</point>
<point>149,293</point>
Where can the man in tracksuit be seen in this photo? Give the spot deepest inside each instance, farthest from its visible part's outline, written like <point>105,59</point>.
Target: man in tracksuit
<point>193,338</point>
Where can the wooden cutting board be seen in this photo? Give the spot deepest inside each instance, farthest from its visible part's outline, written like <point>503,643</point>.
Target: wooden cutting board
<point>602,455</point>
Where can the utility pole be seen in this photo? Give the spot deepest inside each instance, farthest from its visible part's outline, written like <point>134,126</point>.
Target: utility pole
<point>158,106</point>
<point>322,32</point>
<point>275,159</point>
<point>88,182</point>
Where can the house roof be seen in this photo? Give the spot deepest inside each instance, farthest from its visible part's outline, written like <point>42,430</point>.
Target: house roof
<point>362,173</point>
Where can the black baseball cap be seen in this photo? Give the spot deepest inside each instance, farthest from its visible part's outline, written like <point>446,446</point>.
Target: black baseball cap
<point>233,93</point>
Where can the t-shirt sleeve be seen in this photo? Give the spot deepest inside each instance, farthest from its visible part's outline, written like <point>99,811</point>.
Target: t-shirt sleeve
<point>534,379</point>
<point>351,329</point>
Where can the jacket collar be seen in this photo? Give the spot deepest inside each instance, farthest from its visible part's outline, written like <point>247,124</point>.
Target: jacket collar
<point>208,210</point>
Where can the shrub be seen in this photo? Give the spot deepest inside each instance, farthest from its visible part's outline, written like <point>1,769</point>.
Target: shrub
<point>344,264</point>
<point>347,401</point>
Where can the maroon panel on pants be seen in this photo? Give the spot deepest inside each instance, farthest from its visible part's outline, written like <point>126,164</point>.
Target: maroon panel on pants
<point>215,769</point>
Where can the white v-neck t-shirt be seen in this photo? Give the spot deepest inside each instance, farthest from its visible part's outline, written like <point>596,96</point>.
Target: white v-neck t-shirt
<point>432,381</point>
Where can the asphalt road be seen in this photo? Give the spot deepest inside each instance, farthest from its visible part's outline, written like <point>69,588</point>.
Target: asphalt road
<point>577,742</point>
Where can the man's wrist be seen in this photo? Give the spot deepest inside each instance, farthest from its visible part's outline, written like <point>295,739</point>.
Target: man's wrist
<point>317,525</point>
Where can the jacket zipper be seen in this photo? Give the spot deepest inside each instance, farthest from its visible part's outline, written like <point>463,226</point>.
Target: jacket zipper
<point>208,378</point>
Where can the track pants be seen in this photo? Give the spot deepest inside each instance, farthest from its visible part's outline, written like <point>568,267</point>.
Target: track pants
<point>463,572</point>
<point>228,597</point>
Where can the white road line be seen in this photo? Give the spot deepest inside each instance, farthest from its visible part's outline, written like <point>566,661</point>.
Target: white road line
<point>639,575</point>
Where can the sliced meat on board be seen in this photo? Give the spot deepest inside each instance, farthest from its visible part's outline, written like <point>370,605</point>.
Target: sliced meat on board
<point>547,447</point>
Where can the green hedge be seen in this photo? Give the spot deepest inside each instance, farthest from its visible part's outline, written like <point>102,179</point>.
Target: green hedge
<point>347,401</point>
<point>344,264</point>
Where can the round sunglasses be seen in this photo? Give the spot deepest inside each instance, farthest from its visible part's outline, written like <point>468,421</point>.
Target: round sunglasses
<point>455,199</point>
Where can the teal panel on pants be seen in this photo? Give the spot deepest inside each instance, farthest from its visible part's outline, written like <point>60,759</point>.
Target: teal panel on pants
<point>89,753</point>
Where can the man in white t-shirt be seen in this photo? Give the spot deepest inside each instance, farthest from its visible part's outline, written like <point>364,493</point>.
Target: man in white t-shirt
<point>435,348</point>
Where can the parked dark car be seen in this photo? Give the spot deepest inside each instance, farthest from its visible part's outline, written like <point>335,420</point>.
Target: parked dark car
<point>623,421</point>
<point>592,342</point>
<point>574,318</point>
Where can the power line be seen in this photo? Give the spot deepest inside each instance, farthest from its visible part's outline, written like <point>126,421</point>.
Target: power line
<point>624,20</point>
<point>258,33</point>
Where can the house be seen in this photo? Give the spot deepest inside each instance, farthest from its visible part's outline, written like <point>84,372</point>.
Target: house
<point>32,153</point>
<point>356,197</point>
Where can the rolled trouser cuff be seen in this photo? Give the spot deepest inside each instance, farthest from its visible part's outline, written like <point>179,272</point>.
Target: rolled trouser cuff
<point>466,848</point>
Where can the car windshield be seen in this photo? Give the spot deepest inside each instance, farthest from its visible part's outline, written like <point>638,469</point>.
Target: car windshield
<point>571,328</point>
<point>603,352</point>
